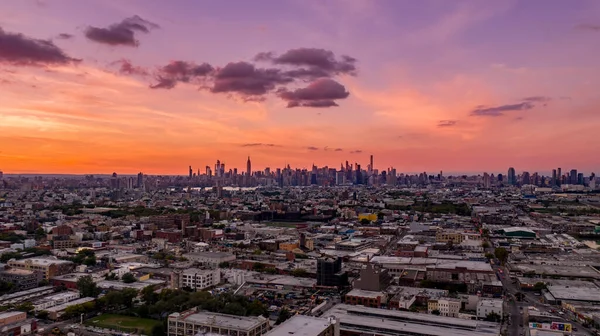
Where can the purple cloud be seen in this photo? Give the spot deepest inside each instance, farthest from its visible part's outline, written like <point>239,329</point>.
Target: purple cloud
<point>18,49</point>
<point>245,79</point>
<point>311,148</point>
<point>320,62</point>
<point>447,123</point>
<point>537,99</point>
<point>122,33</point>
<point>357,151</point>
<point>259,144</point>
<point>180,71</point>
<point>127,68</point>
<point>338,150</point>
<point>320,93</point>
<point>64,36</point>
<point>588,26</point>
<point>497,111</point>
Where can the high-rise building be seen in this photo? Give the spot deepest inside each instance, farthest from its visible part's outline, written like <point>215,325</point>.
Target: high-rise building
<point>371,165</point>
<point>559,177</point>
<point>248,167</point>
<point>486,180</point>
<point>140,180</point>
<point>329,273</point>
<point>1,174</point>
<point>573,176</point>
<point>512,176</point>
<point>190,172</point>
<point>526,178</point>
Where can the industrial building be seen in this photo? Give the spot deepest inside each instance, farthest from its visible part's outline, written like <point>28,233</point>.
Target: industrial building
<point>193,321</point>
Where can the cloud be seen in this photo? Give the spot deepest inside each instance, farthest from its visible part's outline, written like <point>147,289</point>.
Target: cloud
<point>320,93</point>
<point>537,99</point>
<point>588,26</point>
<point>127,68</point>
<point>357,151</point>
<point>497,111</point>
<point>320,62</point>
<point>245,79</point>
<point>18,49</point>
<point>122,33</point>
<point>64,36</point>
<point>338,150</point>
<point>180,71</point>
<point>311,148</point>
<point>447,123</point>
<point>258,144</point>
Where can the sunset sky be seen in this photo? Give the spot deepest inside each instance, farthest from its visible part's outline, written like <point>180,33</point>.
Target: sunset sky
<point>428,85</point>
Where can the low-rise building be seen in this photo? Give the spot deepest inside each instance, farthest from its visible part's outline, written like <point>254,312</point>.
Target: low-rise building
<point>211,259</point>
<point>56,312</point>
<point>301,325</point>
<point>20,278</point>
<point>488,306</point>
<point>55,300</point>
<point>199,279</point>
<point>47,267</point>
<point>192,322</point>
<point>445,306</point>
<point>365,298</point>
<point>16,323</point>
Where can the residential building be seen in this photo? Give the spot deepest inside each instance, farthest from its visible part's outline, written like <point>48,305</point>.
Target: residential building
<point>47,267</point>
<point>449,307</point>
<point>199,279</point>
<point>329,273</point>
<point>20,278</point>
<point>55,300</point>
<point>56,312</point>
<point>373,278</point>
<point>365,298</point>
<point>192,322</point>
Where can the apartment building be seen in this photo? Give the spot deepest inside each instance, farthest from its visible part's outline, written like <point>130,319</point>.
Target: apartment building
<point>193,322</point>
<point>47,267</point>
<point>199,279</point>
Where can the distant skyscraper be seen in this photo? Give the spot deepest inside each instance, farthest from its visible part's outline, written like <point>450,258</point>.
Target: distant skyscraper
<point>1,174</point>
<point>248,167</point>
<point>486,180</point>
<point>559,177</point>
<point>554,180</point>
<point>526,178</point>
<point>512,176</point>
<point>140,180</point>
<point>190,172</point>
<point>573,176</point>
<point>371,165</point>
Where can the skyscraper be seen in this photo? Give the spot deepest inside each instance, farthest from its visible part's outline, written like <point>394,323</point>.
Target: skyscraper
<point>512,177</point>
<point>559,177</point>
<point>573,176</point>
<point>140,180</point>
<point>190,172</point>
<point>248,167</point>
<point>486,180</point>
<point>371,165</point>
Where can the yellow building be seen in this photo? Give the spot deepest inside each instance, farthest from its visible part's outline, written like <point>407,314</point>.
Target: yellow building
<point>369,216</point>
<point>432,305</point>
<point>289,246</point>
<point>442,236</point>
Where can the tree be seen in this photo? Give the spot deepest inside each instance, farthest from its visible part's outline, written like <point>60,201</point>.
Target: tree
<point>42,315</point>
<point>87,287</point>
<point>502,254</point>
<point>299,272</point>
<point>258,267</point>
<point>284,314</point>
<point>493,317</point>
<point>489,256</point>
<point>158,330</point>
<point>485,245</point>
<point>111,276</point>
<point>224,264</point>
<point>128,294</point>
<point>435,312</point>
<point>26,307</point>
<point>539,286</point>
<point>128,278</point>
<point>365,221</point>
<point>271,270</point>
<point>149,296</point>
<point>257,252</point>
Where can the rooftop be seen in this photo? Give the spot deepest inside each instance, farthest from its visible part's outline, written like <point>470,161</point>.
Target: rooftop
<point>301,325</point>
<point>70,303</point>
<point>223,320</point>
<point>365,293</point>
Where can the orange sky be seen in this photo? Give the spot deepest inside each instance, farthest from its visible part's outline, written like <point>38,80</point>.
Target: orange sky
<point>411,113</point>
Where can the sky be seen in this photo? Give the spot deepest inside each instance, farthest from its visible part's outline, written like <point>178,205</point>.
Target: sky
<point>155,86</point>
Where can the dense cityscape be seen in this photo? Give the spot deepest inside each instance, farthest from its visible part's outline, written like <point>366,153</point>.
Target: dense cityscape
<point>299,168</point>
<point>324,251</point>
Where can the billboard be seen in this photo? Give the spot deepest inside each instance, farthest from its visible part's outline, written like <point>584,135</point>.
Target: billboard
<point>557,326</point>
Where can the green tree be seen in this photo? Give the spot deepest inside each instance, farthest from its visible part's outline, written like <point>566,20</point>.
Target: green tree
<point>365,221</point>
<point>284,314</point>
<point>111,276</point>
<point>539,286</point>
<point>485,245</point>
<point>224,264</point>
<point>87,287</point>
<point>502,254</point>
<point>128,278</point>
<point>435,312</point>
<point>149,296</point>
<point>257,252</point>
<point>493,317</point>
<point>158,330</point>
<point>489,256</point>
<point>26,307</point>
<point>258,267</point>
<point>42,315</point>
<point>271,270</point>
<point>128,294</point>
<point>299,272</point>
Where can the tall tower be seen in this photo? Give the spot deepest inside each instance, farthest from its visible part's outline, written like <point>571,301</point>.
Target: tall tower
<point>512,176</point>
<point>248,167</point>
<point>371,168</point>
<point>190,172</point>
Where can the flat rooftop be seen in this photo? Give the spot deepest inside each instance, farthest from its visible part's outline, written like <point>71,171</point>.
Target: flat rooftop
<point>301,325</point>
<point>392,322</point>
<point>221,320</point>
<point>365,293</point>
<point>70,303</point>
<point>575,293</point>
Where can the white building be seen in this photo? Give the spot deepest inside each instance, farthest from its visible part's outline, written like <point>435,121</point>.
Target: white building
<point>449,307</point>
<point>487,306</point>
<point>212,259</point>
<point>55,300</point>
<point>199,279</point>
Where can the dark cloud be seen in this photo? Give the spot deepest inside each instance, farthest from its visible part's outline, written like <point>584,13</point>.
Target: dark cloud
<point>122,33</point>
<point>537,99</point>
<point>497,111</point>
<point>588,26</point>
<point>311,148</point>
<point>447,123</point>
<point>320,93</point>
<point>317,60</point>
<point>357,151</point>
<point>18,49</point>
<point>127,68</point>
<point>259,144</point>
<point>64,36</point>
<point>245,79</point>
<point>180,71</point>
<point>338,150</point>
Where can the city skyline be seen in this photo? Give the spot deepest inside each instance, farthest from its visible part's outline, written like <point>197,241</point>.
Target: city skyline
<point>465,86</point>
